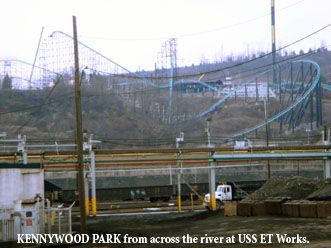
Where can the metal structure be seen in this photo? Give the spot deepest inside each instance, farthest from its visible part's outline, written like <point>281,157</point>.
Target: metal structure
<point>56,53</point>
<point>20,72</point>
<point>157,170</point>
<point>279,156</point>
<point>170,47</point>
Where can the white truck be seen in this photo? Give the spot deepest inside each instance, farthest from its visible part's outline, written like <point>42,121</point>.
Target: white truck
<point>224,192</point>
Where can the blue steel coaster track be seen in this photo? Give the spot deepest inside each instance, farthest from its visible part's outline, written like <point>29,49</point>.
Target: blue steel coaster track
<point>298,97</point>
<point>295,85</point>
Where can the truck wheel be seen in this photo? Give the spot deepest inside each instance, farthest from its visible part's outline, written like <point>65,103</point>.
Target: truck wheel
<point>218,204</point>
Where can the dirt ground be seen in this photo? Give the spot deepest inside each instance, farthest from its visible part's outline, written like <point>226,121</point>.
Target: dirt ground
<point>313,232</point>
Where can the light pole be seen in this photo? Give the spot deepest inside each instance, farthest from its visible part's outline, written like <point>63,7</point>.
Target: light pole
<point>308,130</point>
<point>267,134</point>
<point>88,146</point>
<point>266,122</point>
<point>179,173</point>
<point>208,132</point>
<point>212,176</point>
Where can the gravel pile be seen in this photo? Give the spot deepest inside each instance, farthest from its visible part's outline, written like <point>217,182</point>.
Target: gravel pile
<point>295,188</point>
<point>322,194</point>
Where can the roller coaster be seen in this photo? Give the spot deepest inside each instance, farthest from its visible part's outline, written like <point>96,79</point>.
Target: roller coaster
<point>292,91</point>
<point>297,85</point>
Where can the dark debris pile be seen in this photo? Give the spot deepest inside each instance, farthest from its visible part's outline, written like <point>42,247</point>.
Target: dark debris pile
<point>295,188</point>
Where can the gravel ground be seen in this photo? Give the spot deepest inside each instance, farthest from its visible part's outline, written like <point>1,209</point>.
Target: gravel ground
<point>315,231</point>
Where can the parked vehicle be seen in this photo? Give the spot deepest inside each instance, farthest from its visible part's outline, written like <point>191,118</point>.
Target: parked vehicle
<point>224,192</point>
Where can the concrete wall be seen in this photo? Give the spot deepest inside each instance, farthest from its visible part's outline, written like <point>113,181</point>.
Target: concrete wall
<point>20,184</point>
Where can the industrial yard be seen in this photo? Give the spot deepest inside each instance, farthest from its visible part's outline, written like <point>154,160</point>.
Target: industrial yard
<point>310,230</point>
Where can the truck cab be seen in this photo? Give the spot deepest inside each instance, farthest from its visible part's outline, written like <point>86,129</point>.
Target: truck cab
<point>224,192</point>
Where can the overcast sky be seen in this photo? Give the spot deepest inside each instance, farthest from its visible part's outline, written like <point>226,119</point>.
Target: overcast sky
<point>131,32</point>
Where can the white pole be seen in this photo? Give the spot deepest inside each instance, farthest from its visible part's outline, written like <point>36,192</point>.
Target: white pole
<point>93,185</point>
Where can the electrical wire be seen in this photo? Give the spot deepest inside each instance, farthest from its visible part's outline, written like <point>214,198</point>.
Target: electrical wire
<point>20,128</point>
<point>195,33</point>
<point>257,70</point>
<point>206,72</point>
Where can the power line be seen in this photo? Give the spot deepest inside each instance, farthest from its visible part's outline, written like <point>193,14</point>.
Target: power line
<point>316,51</point>
<point>196,33</point>
<point>231,66</point>
<point>259,57</point>
<point>40,107</point>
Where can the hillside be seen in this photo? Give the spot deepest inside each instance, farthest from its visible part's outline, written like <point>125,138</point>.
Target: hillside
<point>139,116</point>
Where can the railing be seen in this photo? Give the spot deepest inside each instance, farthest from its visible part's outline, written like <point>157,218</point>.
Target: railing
<point>58,220</point>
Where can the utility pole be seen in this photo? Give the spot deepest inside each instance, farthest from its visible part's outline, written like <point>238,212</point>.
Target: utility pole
<point>79,133</point>
<point>273,44</point>
<point>273,32</point>
<point>273,49</point>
